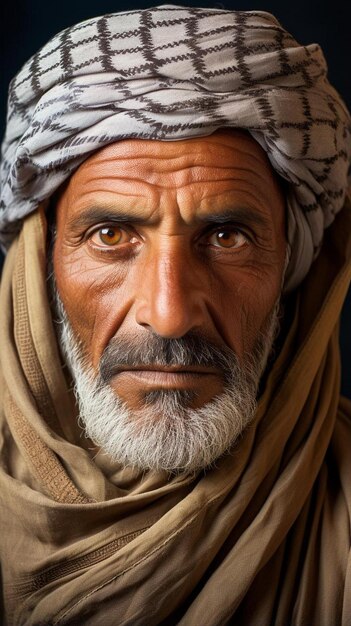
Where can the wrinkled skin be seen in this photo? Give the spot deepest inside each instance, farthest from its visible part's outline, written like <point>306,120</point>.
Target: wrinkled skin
<point>145,244</point>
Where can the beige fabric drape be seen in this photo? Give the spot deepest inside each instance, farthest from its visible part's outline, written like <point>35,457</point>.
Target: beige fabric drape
<point>262,539</point>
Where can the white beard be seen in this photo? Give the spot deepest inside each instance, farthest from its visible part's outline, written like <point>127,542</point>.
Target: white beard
<point>166,434</point>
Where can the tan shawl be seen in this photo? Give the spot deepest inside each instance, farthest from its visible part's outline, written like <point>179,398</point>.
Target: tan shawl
<point>262,539</point>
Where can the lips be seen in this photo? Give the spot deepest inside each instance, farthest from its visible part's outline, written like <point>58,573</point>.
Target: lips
<point>174,369</point>
<point>171,377</point>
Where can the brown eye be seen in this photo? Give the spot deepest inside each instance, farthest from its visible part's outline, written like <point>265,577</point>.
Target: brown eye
<point>227,238</point>
<point>110,236</point>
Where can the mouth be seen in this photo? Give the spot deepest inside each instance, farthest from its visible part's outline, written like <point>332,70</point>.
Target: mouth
<point>166,376</point>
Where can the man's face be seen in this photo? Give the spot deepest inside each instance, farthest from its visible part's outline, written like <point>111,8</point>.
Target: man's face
<point>170,240</point>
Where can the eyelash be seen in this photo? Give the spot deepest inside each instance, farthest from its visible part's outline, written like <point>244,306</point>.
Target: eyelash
<point>124,229</point>
<point>212,230</point>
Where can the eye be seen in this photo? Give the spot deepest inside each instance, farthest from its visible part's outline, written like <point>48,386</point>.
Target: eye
<point>111,236</point>
<point>227,238</point>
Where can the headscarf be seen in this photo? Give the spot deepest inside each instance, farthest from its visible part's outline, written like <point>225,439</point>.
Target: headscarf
<point>171,73</point>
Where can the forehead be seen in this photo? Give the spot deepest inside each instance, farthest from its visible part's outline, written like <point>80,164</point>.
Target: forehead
<point>197,174</point>
<point>224,149</point>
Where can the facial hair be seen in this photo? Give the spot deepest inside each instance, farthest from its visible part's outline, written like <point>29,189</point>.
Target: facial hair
<point>165,433</point>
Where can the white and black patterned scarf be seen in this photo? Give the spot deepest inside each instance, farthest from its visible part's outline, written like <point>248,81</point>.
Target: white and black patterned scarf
<point>170,73</point>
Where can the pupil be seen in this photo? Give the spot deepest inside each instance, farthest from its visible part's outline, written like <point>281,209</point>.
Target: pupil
<point>224,235</point>
<point>108,232</point>
<point>110,236</point>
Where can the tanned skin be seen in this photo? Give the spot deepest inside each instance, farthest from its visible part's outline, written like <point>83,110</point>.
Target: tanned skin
<point>168,238</point>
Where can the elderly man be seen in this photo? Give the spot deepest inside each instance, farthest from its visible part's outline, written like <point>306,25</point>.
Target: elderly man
<point>173,446</point>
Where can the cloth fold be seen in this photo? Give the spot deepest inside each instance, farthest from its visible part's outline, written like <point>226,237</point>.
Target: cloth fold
<point>88,542</point>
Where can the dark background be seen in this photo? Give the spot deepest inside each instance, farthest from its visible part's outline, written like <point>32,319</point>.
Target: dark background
<point>26,25</point>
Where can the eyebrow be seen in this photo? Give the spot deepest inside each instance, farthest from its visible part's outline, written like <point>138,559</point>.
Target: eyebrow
<point>239,214</point>
<point>94,215</point>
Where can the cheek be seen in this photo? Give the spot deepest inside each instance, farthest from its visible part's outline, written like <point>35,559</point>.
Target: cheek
<point>243,302</point>
<point>95,297</point>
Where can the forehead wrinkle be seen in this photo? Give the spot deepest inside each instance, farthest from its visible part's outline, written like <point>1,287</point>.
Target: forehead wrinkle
<point>199,160</point>
<point>251,197</point>
<point>254,197</point>
<point>135,179</point>
<point>113,193</point>
<point>200,176</point>
<point>254,200</point>
<point>149,157</point>
<point>228,168</point>
<point>199,148</point>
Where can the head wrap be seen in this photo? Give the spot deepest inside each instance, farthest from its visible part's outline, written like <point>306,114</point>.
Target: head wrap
<point>171,73</point>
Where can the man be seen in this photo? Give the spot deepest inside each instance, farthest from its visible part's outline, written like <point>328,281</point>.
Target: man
<point>168,176</point>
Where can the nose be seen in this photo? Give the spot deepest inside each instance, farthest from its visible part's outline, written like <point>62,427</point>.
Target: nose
<point>170,300</point>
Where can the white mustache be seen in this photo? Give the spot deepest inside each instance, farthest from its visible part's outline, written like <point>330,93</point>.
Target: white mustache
<point>192,350</point>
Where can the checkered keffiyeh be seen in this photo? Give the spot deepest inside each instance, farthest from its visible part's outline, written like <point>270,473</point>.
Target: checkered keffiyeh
<point>170,73</point>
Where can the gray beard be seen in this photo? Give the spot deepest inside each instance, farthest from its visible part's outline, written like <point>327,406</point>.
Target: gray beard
<point>165,433</point>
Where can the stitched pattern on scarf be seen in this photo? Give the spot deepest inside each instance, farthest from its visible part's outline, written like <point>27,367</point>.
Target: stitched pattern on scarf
<point>26,350</point>
<point>44,461</point>
<point>74,565</point>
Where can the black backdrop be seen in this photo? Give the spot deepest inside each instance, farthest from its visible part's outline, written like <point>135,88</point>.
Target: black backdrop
<point>26,25</point>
